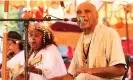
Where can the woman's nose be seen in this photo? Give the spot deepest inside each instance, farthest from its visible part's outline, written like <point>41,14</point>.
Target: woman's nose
<point>33,37</point>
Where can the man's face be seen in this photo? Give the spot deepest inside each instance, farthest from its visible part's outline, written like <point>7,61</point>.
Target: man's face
<point>88,12</point>
<point>35,40</point>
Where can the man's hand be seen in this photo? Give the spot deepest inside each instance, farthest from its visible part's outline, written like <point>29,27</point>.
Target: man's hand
<point>82,70</point>
<point>55,78</point>
<point>65,77</point>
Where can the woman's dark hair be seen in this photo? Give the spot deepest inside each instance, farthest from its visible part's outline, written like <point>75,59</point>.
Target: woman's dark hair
<point>14,36</point>
<point>48,38</point>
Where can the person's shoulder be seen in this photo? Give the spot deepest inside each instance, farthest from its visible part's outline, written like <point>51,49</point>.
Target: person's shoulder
<point>20,54</point>
<point>109,31</point>
<point>50,47</point>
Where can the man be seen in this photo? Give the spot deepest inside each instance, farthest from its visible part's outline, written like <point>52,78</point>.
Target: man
<point>14,44</point>
<point>45,60</point>
<point>99,54</point>
<point>15,53</point>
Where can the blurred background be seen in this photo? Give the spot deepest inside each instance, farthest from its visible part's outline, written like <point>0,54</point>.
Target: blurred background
<point>111,13</point>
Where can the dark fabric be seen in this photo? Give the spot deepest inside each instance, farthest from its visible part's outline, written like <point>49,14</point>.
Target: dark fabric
<point>127,58</point>
<point>65,27</point>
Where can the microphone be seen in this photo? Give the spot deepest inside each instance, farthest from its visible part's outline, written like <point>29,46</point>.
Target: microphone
<point>73,19</point>
<point>80,20</point>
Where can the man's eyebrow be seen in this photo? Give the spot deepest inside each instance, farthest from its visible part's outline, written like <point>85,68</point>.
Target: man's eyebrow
<point>87,10</point>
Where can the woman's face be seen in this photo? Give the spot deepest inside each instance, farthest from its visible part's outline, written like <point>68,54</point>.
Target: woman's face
<point>36,39</point>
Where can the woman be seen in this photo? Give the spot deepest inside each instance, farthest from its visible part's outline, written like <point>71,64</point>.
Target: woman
<point>45,60</point>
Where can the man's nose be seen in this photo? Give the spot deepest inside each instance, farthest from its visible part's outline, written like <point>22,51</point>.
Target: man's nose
<point>83,14</point>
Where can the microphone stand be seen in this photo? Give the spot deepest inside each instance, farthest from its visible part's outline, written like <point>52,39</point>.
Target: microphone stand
<point>127,10</point>
<point>44,19</point>
<point>127,34</point>
<point>26,24</point>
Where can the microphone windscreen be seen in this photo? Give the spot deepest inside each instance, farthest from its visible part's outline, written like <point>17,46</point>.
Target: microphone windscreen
<point>80,20</point>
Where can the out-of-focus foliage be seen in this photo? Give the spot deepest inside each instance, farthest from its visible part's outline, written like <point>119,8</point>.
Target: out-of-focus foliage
<point>13,13</point>
<point>1,14</point>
